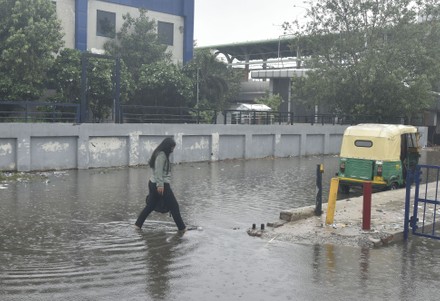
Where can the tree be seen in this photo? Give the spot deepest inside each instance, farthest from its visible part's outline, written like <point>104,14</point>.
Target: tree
<point>137,43</point>
<point>164,84</point>
<point>30,35</point>
<point>371,57</point>
<point>217,84</point>
<point>65,78</point>
<point>272,101</point>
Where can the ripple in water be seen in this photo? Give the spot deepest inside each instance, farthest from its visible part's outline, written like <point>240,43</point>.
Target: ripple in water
<point>73,239</point>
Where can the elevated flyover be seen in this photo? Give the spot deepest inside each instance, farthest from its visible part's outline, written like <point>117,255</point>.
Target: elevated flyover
<point>277,60</point>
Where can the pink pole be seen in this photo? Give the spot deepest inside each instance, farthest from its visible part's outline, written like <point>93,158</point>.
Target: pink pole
<point>366,213</point>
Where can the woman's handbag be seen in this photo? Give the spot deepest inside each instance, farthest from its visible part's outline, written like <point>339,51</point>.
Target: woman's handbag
<point>160,205</point>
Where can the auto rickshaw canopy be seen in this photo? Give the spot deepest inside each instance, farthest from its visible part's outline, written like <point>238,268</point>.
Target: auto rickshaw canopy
<point>385,141</point>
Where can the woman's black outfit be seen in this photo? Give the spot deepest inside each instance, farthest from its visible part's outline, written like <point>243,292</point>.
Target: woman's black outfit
<point>161,178</point>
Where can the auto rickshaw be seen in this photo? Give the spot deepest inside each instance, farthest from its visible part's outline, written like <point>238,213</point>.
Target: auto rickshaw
<point>378,153</point>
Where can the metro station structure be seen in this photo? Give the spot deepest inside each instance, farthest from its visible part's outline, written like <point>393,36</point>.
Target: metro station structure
<point>268,67</point>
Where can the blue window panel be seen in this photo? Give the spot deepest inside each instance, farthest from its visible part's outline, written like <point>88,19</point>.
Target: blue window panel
<point>105,24</point>
<point>165,31</point>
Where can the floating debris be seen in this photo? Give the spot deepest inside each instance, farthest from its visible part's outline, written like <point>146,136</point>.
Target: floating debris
<point>254,232</point>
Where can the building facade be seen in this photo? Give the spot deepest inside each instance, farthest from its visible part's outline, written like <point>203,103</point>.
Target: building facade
<point>88,24</point>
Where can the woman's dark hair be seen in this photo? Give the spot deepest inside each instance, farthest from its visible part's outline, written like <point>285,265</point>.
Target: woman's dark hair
<point>165,146</point>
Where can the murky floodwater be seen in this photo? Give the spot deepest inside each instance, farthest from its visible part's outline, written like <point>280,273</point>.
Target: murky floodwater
<point>71,237</point>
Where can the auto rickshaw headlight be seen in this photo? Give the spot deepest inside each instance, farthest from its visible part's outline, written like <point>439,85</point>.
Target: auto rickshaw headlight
<point>379,170</point>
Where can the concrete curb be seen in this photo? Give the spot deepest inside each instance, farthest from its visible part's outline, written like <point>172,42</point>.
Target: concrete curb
<point>300,225</point>
<point>297,214</point>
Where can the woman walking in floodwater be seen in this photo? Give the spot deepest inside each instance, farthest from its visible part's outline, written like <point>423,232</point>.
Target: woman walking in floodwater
<point>159,185</point>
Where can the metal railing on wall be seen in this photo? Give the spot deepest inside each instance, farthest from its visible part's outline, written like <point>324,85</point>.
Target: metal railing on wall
<point>159,114</point>
<point>271,117</point>
<point>29,111</point>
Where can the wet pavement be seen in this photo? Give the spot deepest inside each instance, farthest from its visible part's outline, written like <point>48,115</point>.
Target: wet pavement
<point>70,236</point>
<point>385,225</point>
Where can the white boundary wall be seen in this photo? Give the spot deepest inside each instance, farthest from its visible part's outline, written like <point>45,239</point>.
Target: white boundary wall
<point>44,146</point>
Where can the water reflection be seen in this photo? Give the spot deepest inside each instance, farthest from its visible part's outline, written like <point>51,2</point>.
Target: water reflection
<point>159,256</point>
<point>71,238</point>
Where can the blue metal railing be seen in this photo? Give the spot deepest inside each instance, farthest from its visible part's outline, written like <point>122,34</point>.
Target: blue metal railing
<point>426,207</point>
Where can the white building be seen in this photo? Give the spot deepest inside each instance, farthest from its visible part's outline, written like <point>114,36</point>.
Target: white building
<point>88,24</point>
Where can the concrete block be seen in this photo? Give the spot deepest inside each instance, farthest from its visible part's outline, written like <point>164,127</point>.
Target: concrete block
<point>297,214</point>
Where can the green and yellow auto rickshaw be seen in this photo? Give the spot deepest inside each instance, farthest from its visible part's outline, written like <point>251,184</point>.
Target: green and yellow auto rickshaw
<point>378,153</point>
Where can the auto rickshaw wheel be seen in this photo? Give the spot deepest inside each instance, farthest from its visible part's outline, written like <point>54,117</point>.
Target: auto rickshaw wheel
<point>345,189</point>
<point>394,186</point>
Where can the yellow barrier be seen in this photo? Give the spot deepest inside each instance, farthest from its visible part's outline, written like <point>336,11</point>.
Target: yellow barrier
<point>331,204</point>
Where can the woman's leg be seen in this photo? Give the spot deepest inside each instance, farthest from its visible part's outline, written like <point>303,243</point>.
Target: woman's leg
<point>171,202</point>
<point>150,205</point>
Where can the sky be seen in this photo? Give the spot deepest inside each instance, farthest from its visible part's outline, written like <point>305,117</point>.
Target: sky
<point>218,22</point>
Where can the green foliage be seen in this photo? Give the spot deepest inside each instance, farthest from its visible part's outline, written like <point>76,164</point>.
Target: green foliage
<point>272,101</point>
<point>156,80</point>
<point>101,86</point>
<point>217,84</point>
<point>137,44</point>
<point>147,75</point>
<point>203,113</point>
<point>65,77</point>
<point>164,84</point>
<point>30,35</point>
<point>30,38</point>
<point>372,57</point>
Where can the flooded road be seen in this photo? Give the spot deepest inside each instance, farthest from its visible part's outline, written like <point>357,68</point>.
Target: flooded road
<point>71,237</point>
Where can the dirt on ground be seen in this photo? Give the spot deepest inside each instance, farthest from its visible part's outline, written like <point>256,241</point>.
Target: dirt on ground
<point>386,223</point>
